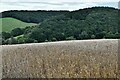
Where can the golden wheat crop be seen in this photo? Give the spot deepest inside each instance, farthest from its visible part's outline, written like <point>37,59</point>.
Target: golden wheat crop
<point>65,59</point>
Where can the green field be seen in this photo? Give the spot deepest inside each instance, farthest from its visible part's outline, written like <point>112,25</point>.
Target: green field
<point>10,23</point>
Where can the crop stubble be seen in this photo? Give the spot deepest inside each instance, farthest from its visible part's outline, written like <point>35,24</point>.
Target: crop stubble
<point>65,59</point>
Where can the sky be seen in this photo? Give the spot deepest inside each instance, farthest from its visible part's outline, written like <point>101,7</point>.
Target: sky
<point>54,4</point>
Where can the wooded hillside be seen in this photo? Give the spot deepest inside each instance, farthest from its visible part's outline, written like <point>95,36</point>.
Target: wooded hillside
<point>88,23</point>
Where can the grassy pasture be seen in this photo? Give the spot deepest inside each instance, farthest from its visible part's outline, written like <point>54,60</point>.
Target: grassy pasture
<point>64,59</point>
<point>10,23</point>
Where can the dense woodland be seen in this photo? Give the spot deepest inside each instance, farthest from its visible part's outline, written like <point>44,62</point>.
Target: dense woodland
<point>88,23</point>
<point>31,16</point>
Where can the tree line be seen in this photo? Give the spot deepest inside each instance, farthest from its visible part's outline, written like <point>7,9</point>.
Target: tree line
<point>31,16</point>
<point>88,23</point>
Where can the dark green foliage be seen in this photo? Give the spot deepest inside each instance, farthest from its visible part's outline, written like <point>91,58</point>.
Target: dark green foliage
<point>2,41</point>
<point>38,35</point>
<point>70,38</point>
<point>29,40</point>
<point>100,35</point>
<point>93,36</point>
<point>6,35</point>
<point>24,39</point>
<point>53,39</point>
<point>17,32</point>
<point>31,16</point>
<point>21,39</point>
<point>88,23</point>
<point>11,40</point>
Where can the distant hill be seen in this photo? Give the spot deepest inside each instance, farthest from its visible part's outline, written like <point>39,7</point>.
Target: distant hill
<point>87,23</point>
<point>10,23</point>
<point>31,16</point>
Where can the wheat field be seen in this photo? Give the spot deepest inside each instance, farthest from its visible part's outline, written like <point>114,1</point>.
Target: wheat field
<point>64,59</point>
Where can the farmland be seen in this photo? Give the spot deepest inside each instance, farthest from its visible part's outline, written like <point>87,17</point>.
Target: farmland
<point>64,59</point>
<point>10,23</point>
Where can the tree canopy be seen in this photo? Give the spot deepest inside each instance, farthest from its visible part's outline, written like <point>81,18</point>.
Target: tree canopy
<point>88,23</point>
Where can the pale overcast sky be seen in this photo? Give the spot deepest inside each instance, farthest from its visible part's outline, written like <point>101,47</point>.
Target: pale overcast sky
<point>54,4</point>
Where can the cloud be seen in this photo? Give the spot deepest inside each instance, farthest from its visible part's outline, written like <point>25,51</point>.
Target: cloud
<point>110,4</point>
<point>52,5</point>
<point>59,1</point>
